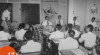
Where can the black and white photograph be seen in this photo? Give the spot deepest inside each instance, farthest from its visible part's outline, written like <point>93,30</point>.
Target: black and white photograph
<point>49,27</point>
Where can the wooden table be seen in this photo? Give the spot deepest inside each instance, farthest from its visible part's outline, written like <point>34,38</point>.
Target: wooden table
<point>80,51</point>
<point>54,46</point>
<point>54,49</point>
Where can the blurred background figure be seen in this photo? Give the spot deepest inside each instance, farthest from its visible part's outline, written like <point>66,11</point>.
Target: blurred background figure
<point>59,20</point>
<point>6,18</point>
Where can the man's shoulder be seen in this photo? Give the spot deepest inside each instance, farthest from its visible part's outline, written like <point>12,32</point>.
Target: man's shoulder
<point>5,32</point>
<point>93,34</point>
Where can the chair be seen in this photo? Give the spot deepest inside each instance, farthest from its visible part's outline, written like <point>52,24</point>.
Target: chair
<point>4,43</point>
<point>31,53</point>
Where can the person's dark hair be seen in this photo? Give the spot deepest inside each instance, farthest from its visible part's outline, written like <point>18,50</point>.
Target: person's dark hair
<point>1,28</point>
<point>28,35</point>
<point>66,28</point>
<point>90,27</point>
<point>85,29</point>
<point>93,18</point>
<point>70,26</point>
<point>46,17</point>
<point>75,17</point>
<point>58,26</point>
<point>59,16</point>
<point>71,33</point>
<point>21,26</point>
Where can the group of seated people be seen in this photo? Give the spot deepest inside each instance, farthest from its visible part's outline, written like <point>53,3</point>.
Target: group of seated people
<point>29,45</point>
<point>71,38</point>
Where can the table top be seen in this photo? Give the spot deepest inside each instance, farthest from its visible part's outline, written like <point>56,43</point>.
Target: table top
<point>72,52</point>
<point>57,40</point>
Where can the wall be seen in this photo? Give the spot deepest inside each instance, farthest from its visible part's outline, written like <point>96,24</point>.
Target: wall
<point>90,3</point>
<point>79,9</point>
<point>17,10</point>
<point>82,9</point>
<point>17,13</point>
<point>60,7</point>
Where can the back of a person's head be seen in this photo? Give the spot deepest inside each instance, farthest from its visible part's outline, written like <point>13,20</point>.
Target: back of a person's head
<point>59,16</point>
<point>66,28</point>
<point>90,27</point>
<point>93,18</point>
<point>46,17</point>
<point>22,26</point>
<point>58,26</point>
<point>70,26</point>
<point>71,33</point>
<point>1,28</point>
<point>28,35</point>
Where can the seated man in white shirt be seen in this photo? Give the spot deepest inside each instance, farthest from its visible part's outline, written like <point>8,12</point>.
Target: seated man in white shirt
<point>47,22</point>
<point>20,33</point>
<point>57,34</point>
<point>93,23</point>
<point>68,43</point>
<point>4,35</point>
<point>89,38</point>
<point>70,27</point>
<point>31,45</point>
<point>59,21</point>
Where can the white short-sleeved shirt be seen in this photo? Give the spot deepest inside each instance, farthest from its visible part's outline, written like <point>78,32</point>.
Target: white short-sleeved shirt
<point>6,13</point>
<point>61,22</point>
<point>20,34</point>
<point>77,33</point>
<point>45,23</point>
<point>89,39</point>
<point>4,35</point>
<point>94,24</point>
<point>56,34</point>
<point>31,46</point>
<point>68,43</point>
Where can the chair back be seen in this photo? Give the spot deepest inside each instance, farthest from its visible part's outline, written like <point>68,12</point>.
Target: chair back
<point>4,43</point>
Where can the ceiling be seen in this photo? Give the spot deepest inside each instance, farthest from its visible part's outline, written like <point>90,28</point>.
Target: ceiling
<point>27,1</point>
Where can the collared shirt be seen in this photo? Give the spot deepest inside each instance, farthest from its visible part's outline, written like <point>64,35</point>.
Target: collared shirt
<point>76,23</point>
<point>56,34</point>
<point>45,23</point>
<point>6,13</point>
<point>4,35</point>
<point>31,46</point>
<point>94,24</point>
<point>89,39</point>
<point>65,33</point>
<point>61,22</point>
<point>20,34</point>
<point>68,43</point>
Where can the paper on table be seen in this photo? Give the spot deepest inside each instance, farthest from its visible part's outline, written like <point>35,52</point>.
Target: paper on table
<point>78,52</point>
